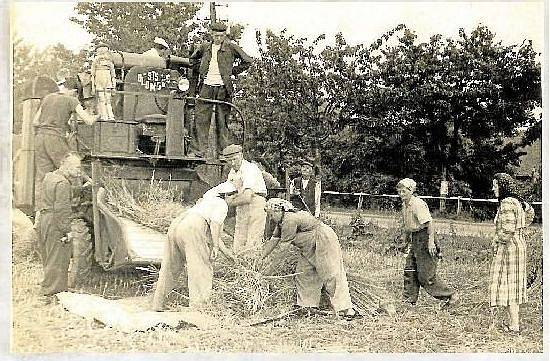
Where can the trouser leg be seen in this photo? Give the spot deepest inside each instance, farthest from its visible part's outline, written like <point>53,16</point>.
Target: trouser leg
<point>308,284</point>
<point>199,265</point>
<point>108,105</point>
<point>256,222</point>
<point>240,237</point>
<point>426,267</point>
<point>203,114</point>
<point>50,151</point>
<point>56,265</point>
<point>224,135</point>
<point>170,269</point>
<point>101,104</point>
<point>411,286</point>
<point>330,267</point>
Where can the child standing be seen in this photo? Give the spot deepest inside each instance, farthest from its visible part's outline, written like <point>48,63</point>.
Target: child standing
<point>421,262</point>
<point>103,80</point>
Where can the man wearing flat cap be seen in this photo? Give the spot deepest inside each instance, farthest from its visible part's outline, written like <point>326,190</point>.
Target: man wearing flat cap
<point>305,190</point>
<point>217,61</point>
<point>160,49</point>
<point>250,201</point>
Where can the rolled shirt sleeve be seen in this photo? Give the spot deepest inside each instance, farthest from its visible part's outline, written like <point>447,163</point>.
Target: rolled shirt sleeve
<point>421,210</point>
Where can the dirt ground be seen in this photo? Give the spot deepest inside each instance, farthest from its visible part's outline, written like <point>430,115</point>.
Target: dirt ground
<point>469,327</point>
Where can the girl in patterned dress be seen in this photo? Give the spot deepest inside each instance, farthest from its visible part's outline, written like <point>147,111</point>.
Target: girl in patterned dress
<point>508,286</point>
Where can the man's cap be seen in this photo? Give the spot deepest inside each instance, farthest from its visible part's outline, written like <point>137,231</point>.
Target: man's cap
<point>218,27</point>
<point>162,42</point>
<point>305,162</point>
<point>407,183</point>
<point>232,149</point>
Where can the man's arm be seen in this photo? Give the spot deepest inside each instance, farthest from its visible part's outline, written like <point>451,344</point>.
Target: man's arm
<point>240,198</point>
<point>85,116</point>
<point>269,246</point>
<point>245,60</point>
<point>431,239</point>
<point>215,231</point>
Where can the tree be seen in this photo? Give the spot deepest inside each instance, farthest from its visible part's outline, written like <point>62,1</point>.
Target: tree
<point>29,63</point>
<point>132,26</point>
<point>295,97</point>
<point>450,104</point>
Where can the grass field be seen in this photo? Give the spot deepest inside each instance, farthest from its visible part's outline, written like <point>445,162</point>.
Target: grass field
<point>468,327</point>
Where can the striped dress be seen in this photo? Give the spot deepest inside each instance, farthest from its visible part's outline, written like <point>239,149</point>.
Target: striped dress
<point>508,269</point>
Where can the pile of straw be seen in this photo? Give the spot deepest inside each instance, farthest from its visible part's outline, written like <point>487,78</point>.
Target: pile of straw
<point>154,205</point>
<point>246,286</point>
<point>249,287</point>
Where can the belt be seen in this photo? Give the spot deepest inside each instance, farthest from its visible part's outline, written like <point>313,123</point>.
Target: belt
<point>52,131</point>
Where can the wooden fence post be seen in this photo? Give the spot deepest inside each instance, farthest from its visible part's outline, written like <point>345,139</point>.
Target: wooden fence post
<point>458,206</point>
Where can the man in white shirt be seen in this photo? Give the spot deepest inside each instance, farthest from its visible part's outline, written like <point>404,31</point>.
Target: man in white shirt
<point>250,201</point>
<point>217,61</point>
<point>160,49</point>
<point>194,240</point>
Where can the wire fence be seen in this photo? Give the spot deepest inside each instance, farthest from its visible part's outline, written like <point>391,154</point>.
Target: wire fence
<point>455,207</point>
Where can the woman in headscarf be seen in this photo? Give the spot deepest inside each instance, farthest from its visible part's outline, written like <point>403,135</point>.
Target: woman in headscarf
<point>508,285</point>
<point>321,261</point>
<point>194,240</point>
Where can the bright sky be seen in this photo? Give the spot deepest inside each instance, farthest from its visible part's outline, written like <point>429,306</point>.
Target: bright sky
<point>46,23</point>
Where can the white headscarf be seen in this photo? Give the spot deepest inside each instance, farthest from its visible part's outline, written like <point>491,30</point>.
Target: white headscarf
<point>407,183</point>
<point>222,188</point>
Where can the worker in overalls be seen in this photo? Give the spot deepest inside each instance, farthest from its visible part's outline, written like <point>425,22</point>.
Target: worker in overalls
<point>54,226</point>
<point>194,241</point>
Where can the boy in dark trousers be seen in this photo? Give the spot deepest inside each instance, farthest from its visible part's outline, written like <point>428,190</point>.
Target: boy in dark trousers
<point>421,262</point>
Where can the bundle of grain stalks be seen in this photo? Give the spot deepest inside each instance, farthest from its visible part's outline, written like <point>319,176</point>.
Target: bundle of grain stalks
<point>154,204</point>
<point>249,287</point>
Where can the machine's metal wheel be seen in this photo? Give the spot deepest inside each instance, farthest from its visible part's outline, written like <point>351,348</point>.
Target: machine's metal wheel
<point>82,260</point>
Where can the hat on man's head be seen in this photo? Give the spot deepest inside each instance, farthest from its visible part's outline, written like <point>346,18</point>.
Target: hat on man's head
<point>305,162</point>
<point>161,42</point>
<point>407,183</point>
<point>232,149</point>
<point>218,27</point>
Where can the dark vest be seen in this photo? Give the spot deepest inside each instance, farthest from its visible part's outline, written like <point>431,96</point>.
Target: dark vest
<point>307,194</point>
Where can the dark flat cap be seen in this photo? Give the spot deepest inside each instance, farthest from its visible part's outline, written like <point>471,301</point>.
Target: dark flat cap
<point>232,149</point>
<point>218,26</point>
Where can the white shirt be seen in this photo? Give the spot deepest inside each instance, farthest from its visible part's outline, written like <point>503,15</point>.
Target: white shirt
<point>213,77</point>
<point>251,177</point>
<point>213,209</point>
